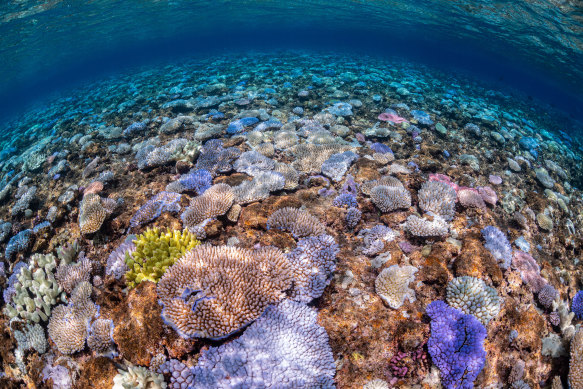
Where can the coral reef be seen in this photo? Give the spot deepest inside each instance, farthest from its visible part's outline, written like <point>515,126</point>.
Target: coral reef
<point>472,296</point>
<point>298,222</point>
<point>162,202</point>
<point>392,285</point>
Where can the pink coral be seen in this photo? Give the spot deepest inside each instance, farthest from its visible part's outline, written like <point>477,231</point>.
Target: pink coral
<point>488,195</point>
<point>391,117</point>
<point>529,270</point>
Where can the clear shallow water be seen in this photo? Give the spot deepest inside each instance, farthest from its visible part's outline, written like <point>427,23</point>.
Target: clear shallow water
<point>533,45</point>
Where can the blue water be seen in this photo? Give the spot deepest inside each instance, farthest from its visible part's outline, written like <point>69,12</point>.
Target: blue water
<point>535,46</point>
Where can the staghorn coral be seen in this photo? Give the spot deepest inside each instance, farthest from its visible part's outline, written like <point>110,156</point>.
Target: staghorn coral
<point>529,270</point>
<point>216,159</point>
<point>313,262</point>
<point>498,245</point>
<point>347,200</point>
<point>259,188</point>
<point>418,226</point>
<point>162,202</point>
<point>392,285</point>
<point>34,290</point>
<point>456,345</point>
<point>100,337</point>
<point>93,211</point>
<point>116,264</point>
<point>285,348</point>
<point>298,222</point>
<point>473,297</point>
<point>439,198</point>
<point>389,199</point>
<point>214,202</point>
<point>198,180</point>
<point>154,252</point>
<point>576,362</point>
<point>213,291</point>
<point>138,377</point>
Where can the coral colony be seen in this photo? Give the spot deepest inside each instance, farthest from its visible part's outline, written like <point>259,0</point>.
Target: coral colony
<point>287,226</point>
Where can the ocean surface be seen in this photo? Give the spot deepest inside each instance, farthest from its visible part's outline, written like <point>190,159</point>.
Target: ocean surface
<point>291,194</point>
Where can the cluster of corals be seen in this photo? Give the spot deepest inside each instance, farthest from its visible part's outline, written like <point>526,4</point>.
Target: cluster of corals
<point>33,290</point>
<point>473,297</point>
<point>529,270</point>
<point>18,243</point>
<point>353,216</point>
<point>404,363</point>
<point>151,156</point>
<point>296,221</point>
<point>68,325</point>
<point>439,198</point>
<point>93,211</point>
<point>215,158</point>
<point>162,202</point>
<point>347,200</point>
<point>154,252</point>
<point>392,285</point>
<point>313,262</point>
<point>388,198</point>
<point>31,337</point>
<point>284,348</point>
<point>70,274</point>
<point>310,157</point>
<point>498,245</point>
<point>252,163</point>
<point>213,291</point>
<point>375,238</point>
<point>214,202</point>
<point>259,188</point>
<point>197,180</point>
<point>422,227</point>
<point>456,345</point>
<point>337,165</point>
<point>138,377</point>
<point>116,263</point>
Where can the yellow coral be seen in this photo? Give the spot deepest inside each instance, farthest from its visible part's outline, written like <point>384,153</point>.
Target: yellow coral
<point>155,252</point>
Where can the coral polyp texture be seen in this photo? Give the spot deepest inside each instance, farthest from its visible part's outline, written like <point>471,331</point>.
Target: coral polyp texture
<point>473,297</point>
<point>100,337</point>
<point>93,211</point>
<point>423,227</point>
<point>439,198</point>
<point>285,348</point>
<point>456,345</point>
<point>577,305</point>
<point>296,221</point>
<point>162,202</point>
<point>213,291</point>
<point>392,285</point>
<point>154,252</point>
<point>389,199</point>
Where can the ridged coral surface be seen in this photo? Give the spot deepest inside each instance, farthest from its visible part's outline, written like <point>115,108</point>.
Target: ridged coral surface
<point>213,291</point>
<point>214,202</point>
<point>473,297</point>
<point>392,285</point>
<point>298,222</point>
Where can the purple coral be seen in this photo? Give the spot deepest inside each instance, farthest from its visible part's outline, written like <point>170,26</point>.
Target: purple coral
<point>198,180</point>
<point>162,202</point>
<point>529,270</point>
<point>456,345</point>
<point>353,216</point>
<point>381,148</point>
<point>345,200</point>
<point>285,348</point>
<point>498,245</point>
<point>577,305</point>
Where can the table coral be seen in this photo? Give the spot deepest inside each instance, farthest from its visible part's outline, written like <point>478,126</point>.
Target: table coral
<point>214,202</point>
<point>213,291</point>
<point>284,348</point>
<point>389,199</point>
<point>93,211</point>
<point>418,226</point>
<point>154,252</point>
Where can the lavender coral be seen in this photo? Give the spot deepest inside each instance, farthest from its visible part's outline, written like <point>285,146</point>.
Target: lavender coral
<point>18,243</point>
<point>529,270</point>
<point>213,291</point>
<point>299,222</point>
<point>198,181</point>
<point>577,305</point>
<point>162,202</point>
<point>353,216</point>
<point>439,198</point>
<point>345,200</point>
<point>498,245</point>
<point>116,265</point>
<point>375,238</point>
<point>456,345</point>
<point>285,348</point>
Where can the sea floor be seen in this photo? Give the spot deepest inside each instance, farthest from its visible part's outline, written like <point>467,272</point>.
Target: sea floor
<point>469,182</point>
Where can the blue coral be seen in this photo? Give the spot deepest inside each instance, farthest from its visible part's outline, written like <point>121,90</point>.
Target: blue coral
<point>353,216</point>
<point>456,345</point>
<point>345,200</point>
<point>17,243</point>
<point>577,305</point>
<point>498,245</point>
<point>381,148</point>
<point>239,125</point>
<point>162,202</point>
<point>198,180</point>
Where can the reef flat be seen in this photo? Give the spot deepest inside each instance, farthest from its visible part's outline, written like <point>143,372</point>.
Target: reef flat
<point>291,220</point>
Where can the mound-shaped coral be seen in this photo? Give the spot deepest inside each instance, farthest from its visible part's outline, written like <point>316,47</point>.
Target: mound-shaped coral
<point>213,291</point>
<point>392,285</point>
<point>93,211</point>
<point>389,199</point>
<point>299,222</point>
<point>473,297</point>
<point>155,251</point>
<point>439,198</point>
<point>285,348</point>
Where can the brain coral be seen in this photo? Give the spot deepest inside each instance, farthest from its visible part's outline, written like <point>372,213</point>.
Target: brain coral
<point>473,297</point>
<point>93,211</point>
<point>498,245</point>
<point>313,262</point>
<point>388,198</point>
<point>162,202</point>
<point>418,226</point>
<point>392,285</point>
<point>285,348</point>
<point>299,222</point>
<point>439,198</point>
<point>456,345</point>
<point>154,252</point>
<point>213,202</point>
<point>576,363</point>
<point>213,291</point>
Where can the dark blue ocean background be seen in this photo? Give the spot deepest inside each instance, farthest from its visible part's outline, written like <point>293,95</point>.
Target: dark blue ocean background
<point>535,47</point>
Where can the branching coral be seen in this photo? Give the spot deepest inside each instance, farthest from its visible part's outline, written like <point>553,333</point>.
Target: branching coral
<point>214,202</point>
<point>162,202</point>
<point>299,222</point>
<point>418,226</point>
<point>389,199</point>
<point>259,188</point>
<point>154,252</point>
<point>93,211</point>
<point>498,245</point>
<point>473,297</point>
<point>213,291</point>
<point>392,285</point>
